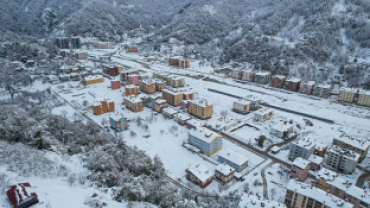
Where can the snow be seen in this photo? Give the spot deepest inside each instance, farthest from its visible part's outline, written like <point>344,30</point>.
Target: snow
<point>348,89</point>
<point>281,127</point>
<point>233,157</point>
<point>225,169</point>
<point>204,134</point>
<point>93,77</point>
<point>364,92</point>
<point>115,116</point>
<point>301,163</point>
<point>201,103</point>
<point>169,110</point>
<point>252,201</point>
<point>201,172</point>
<point>275,149</point>
<point>358,143</point>
<point>133,99</point>
<point>315,159</point>
<point>293,80</point>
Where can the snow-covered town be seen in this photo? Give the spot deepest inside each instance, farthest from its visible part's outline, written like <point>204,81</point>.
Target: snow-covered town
<point>144,118</point>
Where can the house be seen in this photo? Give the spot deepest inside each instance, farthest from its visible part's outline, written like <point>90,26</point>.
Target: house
<point>277,81</point>
<point>181,118</point>
<point>359,145</point>
<point>320,149</point>
<point>315,162</point>
<point>363,98</point>
<point>300,169</point>
<point>242,106</point>
<point>22,195</point>
<point>207,141</point>
<point>292,84</point>
<point>194,123</point>
<point>81,54</point>
<point>14,64</point>
<point>131,90</point>
<point>200,175</point>
<point>305,196</point>
<point>169,112</point>
<point>282,130</point>
<point>347,94</point>
<point>133,79</point>
<point>134,103</point>
<point>303,148</point>
<point>255,103</point>
<point>174,97</point>
<point>115,84</point>
<point>224,172</point>
<point>30,63</point>
<point>237,73</point>
<point>329,181</point>
<point>160,104</point>
<point>262,77</point>
<point>343,160</point>
<point>124,74</point>
<point>117,122</point>
<point>147,86</point>
<point>306,87</point>
<point>159,85</point>
<point>233,159</point>
<point>248,75</point>
<point>92,79</point>
<point>263,114</point>
<point>200,108</point>
<point>184,62</point>
<point>322,90</point>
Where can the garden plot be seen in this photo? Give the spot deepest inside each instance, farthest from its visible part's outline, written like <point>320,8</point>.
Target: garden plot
<point>277,178</point>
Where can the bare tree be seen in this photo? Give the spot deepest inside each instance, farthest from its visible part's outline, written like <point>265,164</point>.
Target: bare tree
<point>224,114</point>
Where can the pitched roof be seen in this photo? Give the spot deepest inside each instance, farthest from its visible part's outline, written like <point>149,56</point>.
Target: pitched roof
<point>201,172</point>
<point>225,169</point>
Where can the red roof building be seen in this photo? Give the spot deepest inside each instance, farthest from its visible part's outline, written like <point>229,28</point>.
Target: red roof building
<point>20,197</point>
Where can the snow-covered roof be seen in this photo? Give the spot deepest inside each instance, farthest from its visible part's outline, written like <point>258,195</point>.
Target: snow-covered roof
<point>161,101</point>
<point>133,75</point>
<point>195,122</point>
<point>159,81</point>
<point>131,86</point>
<point>133,99</point>
<point>301,163</point>
<point>315,159</point>
<point>264,111</point>
<point>305,143</point>
<point>172,92</point>
<point>169,110</point>
<point>233,157</point>
<point>128,71</point>
<point>293,80</point>
<point>361,144</point>
<point>243,102</point>
<point>308,83</point>
<point>348,89</point>
<point>279,76</point>
<point>204,134</point>
<point>225,169</point>
<point>281,127</point>
<point>325,86</point>
<point>318,194</point>
<point>364,92</point>
<point>345,153</point>
<point>263,73</point>
<point>321,146</point>
<point>64,67</point>
<point>275,148</point>
<point>148,82</point>
<point>115,116</point>
<point>201,103</point>
<point>93,77</point>
<point>252,201</point>
<point>201,172</point>
<point>183,116</point>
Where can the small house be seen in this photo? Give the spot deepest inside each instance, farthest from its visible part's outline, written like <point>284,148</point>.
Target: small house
<point>169,112</point>
<point>20,196</point>
<point>263,114</point>
<point>320,149</point>
<point>282,130</point>
<point>65,69</point>
<point>306,87</point>
<point>242,106</point>
<point>225,173</point>
<point>278,81</point>
<point>315,162</point>
<point>117,122</point>
<point>207,141</point>
<point>14,64</point>
<point>160,104</point>
<point>235,160</point>
<point>292,84</point>
<point>115,84</point>
<point>64,77</point>
<point>200,175</point>
<point>300,169</point>
<point>181,118</point>
<point>194,123</point>
<point>75,77</point>
<point>133,79</point>
<point>131,90</point>
<point>262,77</point>
<point>134,103</point>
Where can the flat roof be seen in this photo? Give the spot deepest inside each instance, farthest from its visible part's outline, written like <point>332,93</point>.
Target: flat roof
<point>282,127</point>
<point>364,92</point>
<point>93,77</point>
<point>115,116</point>
<point>305,143</point>
<point>225,169</point>
<point>169,110</point>
<point>243,102</point>
<point>195,122</point>
<point>264,111</point>
<point>204,134</point>
<point>201,103</point>
<point>315,159</point>
<point>233,157</point>
<point>263,73</point>
<point>293,80</point>
<point>133,99</point>
<point>361,143</point>
<point>349,89</point>
<point>345,153</point>
<point>301,163</point>
<point>131,86</point>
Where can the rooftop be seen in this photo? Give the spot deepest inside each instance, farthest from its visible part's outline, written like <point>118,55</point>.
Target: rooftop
<point>225,169</point>
<point>281,127</point>
<point>204,134</point>
<point>161,101</point>
<point>345,153</point>
<point>264,111</point>
<point>315,159</point>
<point>361,144</point>
<point>243,102</point>
<point>233,157</point>
<point>131,86</point>
<point>183,116</point>
<point>348,89</point>
<point>115,116</point>
<point>263,73</point>
<point>133,99</point>
<point>308,83</point>
<point>301,163</point>
<point>201,172</point>
<point>93,77</point>
<point>195,122</point>
<point>279,76</point>
<point>321,146</point>
<point>305,143</point>
<point>293,80</point>
<point>169,110</point>
<point>200,103</point>
<point>325,86</point>
<point>364,92</point>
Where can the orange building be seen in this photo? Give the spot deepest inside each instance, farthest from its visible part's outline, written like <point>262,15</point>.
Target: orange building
<point>103,107</point>
<point>134,103</point>
<point>131,90</point>
<point>147,86</point>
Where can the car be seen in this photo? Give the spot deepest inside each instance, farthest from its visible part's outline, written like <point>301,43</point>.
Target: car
<point>270,173</point>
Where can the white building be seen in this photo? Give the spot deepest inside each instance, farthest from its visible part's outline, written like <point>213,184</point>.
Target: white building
<point>242,106</point>
<point>303,148</point>
<point>342,160</point>
<point>263,114</point>
<point>282,130</point>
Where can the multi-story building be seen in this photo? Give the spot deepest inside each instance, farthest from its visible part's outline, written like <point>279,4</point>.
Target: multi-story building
<point>237,73</point>
<point>207,141</point>
<point>234,159</point>
<point>263,114</point>
<point>125,72</point>
<point>292,84</point>
<point>315,162</point>
<point>361,146</point>
<point>329,181</point>
<point>306,87</point>
<point>115,84</point>
<point>200,108</point>
<point>104,106</point>
<point>322,90</point>
<point>159,85</point>
<point>172,97</point>
<point>134,103</point>
<point>92,79</point>
<point>342,160</point>
<point>224,172</point>
<point>176,81</point>
<point>242,106</point>
<point>159,104</point>
<point>300,169</point>
<point>347,94</point>
<point>363,98</point>
<point>282,130</point>
<point>320,149</point>
<point>118,122</point>
<point>303,148</point>
<point>248,75</point>
<point>302,195</point>
<point>278,81</point>
<point>133,79</point>
<point>131,90</point>
<point>262,77</point>
<point>200,175</point>
<point>184,62</point>
<point>147,86</point>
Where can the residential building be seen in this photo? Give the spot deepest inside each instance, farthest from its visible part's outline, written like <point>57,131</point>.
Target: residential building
<point>237,73</point>
<point>242,106</point>
<point>248,75</point>
<point>278,81</point>
<point>184,104</point>
<point>174,61</point>
<point>235,160</point>
<point>176,81</point>
<point>306,87</point>
<point>302,195</point>
<point>133,79</point>
<point>200,109</point>
<point>224,172</point>
<point>194,123</point>
<point>75,69</point>
<point>300,169</point>
<point>329,181</point>
<point>263,114</point>
<point>315,162</point>
<point>75,77</point>
<point>303,148</point>
<point>322,90</point>
<point>104,106</point>
<point>143,76</point>
<point>134,103</point>
<point>133,48</point>
<point>30,63</point>
<point>320,149</point>
<point>20,195</point>
<point>181,118</point>
<point>147,86</point>
<point>103,45</point>
<point>347,94</point>
<point>262,77</point>
<point>359,145</point>
<point>14,64</point>
<point>169,112</point>
<point>115,84</point>
<point>124,73</point>
<point>200,175</point>
<point>255,103</point>
<point>207,141</point>
<point>343,160</point>
<point>65,69</point>
<point>282,130</point>
<point>131,90</point>
<point>292,84</point>
<point>363,98</point>
<point>81,54</point>
<point>184,62</point>
<point>174,97</point>
<point>159,85</point>
<point>64,77</point>
<point>117,122</point>
<point>92,79</point>
<point>160,104</point>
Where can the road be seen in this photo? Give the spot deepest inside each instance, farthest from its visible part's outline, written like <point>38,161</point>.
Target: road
<point>265,189</point>
<point>361,180</point>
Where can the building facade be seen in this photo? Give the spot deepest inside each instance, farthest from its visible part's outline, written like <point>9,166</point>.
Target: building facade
<point>131,90</point>
<point>262,77</point>
<point>200,108</point>
<point>208,142</point>
<point>343,160</point>
<point>302,148</point>
<point>233,159</point>
<point>347,94</point>
<point>133,103</point>
<point>118,123</point>
<point>363,98</point>
<point>292,84</point>
<point>278,81</point>
<point>200,175</point>
<point>133,79</point>
<point>300,169</point>
<point>224,173</point>
<point>306,87</point>
<point>242,106</point>
<point>322,90</point>
<point>147,86</point>
<point>263,114</point>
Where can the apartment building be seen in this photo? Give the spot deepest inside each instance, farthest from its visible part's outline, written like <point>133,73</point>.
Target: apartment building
<point>359,145</point>
<point>207,141</point>
<point>363,98</point>
<point>322,90</point>
<point>134,103</point>
<point>262,77</point>
<point>147,86</point>
<point>302,148</point>
<point>292,84</point>
<point>278,81</point>
<point>242,106</point>
<point>300,168</point>
<point>248,75</point>
<point>306,87</point>
<point>347,94</point>
<point>200,108</point>
<point>341,159</point>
